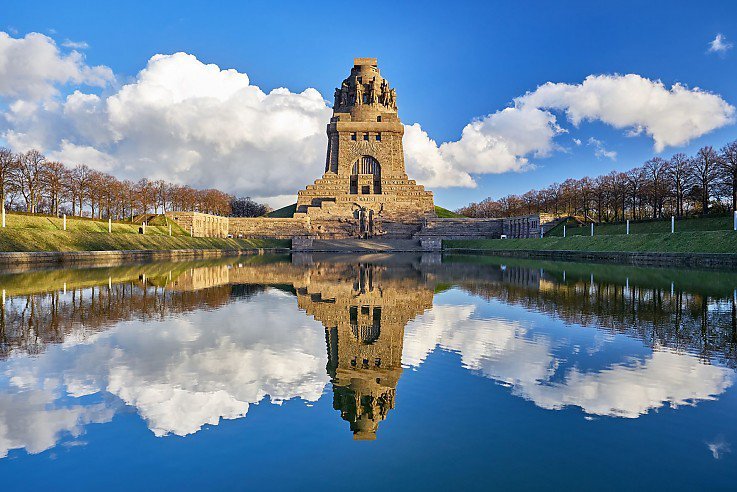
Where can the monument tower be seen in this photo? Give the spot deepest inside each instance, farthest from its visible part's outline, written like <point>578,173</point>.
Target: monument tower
<point>365,190</point>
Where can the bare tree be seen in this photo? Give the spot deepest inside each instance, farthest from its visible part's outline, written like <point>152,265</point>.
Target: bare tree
<point>31,168</point>
<point>680,174</point>
<point>656,171</point>
<point>728,164</point>
<point>54,178</point>
<point>8,165</point>
<point>705,172</point>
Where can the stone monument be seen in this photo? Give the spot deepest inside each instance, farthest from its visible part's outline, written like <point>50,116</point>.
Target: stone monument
<point>365,191</point>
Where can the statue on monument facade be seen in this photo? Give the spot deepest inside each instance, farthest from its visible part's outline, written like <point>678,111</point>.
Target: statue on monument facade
<point>359,94</point>
<point>344,90</point>
<point>373,92</point>
<point>384,93</point>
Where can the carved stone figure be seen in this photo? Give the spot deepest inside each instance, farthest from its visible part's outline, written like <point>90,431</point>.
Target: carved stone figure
<point>359,94</point>
<point>384,93</point>
<point>337,95</point>
<point>373,92</point>
<point>344,89</point>
<point>393,99</point>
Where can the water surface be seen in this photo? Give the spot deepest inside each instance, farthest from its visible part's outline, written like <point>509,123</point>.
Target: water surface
<point>391,371</point>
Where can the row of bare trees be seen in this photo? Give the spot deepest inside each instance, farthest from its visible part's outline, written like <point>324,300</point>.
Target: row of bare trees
<point>29,182</point>
<point>682,185</point>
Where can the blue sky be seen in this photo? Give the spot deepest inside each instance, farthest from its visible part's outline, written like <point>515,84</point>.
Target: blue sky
<point>451,62</point>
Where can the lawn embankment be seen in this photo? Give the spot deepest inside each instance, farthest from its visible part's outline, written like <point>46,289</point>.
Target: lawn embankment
<point>686,224</point>
<point>23,221</point>
<point>444,213</point>
<point>682,242</point>
<point>51,240</point>
<point>35,232</point>
<point>283,213</point>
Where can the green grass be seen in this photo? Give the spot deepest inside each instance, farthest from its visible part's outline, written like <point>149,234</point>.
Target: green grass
<point>34,239</point>
<point>284,212</point>
<point>444,213</point>
<point>23,221</point>
<point>683,242</point>
<point>691,224</point>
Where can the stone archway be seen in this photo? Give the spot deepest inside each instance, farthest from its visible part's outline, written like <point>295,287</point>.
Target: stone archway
<point>362,168</point>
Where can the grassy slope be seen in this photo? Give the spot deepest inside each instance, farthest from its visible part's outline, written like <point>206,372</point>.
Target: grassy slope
<point>709,223</point>
<point>26,232</point>
<point>284,212</point>
<point>687,242</point>
<point>444,213</point>
<point>76,224</point>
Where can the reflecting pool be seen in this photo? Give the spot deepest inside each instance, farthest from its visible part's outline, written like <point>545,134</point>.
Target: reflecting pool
<point>392,371</point>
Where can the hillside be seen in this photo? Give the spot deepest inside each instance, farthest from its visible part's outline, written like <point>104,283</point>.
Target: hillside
<point>690,224</point>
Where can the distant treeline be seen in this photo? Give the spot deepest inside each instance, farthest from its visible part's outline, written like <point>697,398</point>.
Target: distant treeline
<point>31,183</point>
<point>682,185</point>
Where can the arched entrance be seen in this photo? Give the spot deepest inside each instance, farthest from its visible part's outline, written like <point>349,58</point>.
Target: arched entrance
<point>366,176</point>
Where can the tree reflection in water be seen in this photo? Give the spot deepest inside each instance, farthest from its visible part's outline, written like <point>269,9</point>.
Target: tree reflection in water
<point>215,354</point>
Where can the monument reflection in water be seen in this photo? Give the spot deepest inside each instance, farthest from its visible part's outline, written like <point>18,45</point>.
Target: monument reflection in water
<point>182,346</point>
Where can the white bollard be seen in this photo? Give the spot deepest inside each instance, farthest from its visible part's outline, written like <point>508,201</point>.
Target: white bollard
<point>735,220</point>
<point>672,224</point>
<point>592,229</point>
<point>628,226</point>
<point>143,227</point>
<point>564,230</point>
<point>64,222</point>
<point>191,232</point>
<point>170,229</point>
<point>110,225</point>
<point>4,215</point>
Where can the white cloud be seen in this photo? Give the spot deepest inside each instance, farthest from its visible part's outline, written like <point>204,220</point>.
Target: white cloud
<point>719,44</point>
<point>718,448</point>
<point>178,373</point>
<point>600,150</point>
<point>503,141</point>
<point>189,122</point>
<point>672,117</point>
<point>426,163</point>
<point>75,45</point>
<point>577,142</point>
<point>32,68</point>
<point>515,355</point>
<point>32,420</point>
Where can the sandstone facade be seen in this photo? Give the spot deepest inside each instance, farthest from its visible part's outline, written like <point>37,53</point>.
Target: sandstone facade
<point>199,224</point>
<point>365,190</point>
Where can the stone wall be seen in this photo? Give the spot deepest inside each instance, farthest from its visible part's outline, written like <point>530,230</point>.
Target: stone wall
<point>199,224</point>
<point>268,227</point>
<point>461,228</point>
